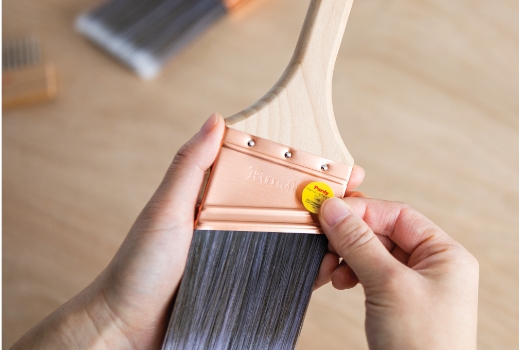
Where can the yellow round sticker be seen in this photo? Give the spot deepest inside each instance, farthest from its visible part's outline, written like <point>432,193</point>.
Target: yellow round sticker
<point>314,195</point>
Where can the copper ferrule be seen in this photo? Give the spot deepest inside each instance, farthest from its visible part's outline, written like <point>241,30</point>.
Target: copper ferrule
<point>255,185</point>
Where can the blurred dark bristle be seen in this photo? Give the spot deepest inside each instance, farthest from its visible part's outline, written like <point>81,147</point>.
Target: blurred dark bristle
<point>18,53</point>
<point>144,34</point>
<point>245,290</point>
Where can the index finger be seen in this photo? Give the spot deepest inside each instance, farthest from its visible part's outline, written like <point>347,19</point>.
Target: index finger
<point>402,224</point>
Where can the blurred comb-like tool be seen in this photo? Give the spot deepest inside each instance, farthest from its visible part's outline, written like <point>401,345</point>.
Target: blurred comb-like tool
<point>145,34</point>
<point>26,78</point>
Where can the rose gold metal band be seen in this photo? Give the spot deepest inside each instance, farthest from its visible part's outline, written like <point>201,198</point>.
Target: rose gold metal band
<point>256,185</point>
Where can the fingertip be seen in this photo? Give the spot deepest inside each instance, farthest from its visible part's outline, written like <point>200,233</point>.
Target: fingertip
<point>343,277</point>
<point>219,118</point>
<point>209,124</point>
<point>333,211</point>
<point>357,203</point>
<point>356,194</point>
<point>208,140</point>
<point>328,265</point>
<point>212,124</point>
<point>356,177</point>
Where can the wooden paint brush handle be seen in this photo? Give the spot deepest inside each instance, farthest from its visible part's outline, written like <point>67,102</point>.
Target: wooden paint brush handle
<point>298,110</point>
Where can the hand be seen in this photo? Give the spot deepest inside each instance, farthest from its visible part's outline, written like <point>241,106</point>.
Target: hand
<point>421,286</point>
<point>128,304</point>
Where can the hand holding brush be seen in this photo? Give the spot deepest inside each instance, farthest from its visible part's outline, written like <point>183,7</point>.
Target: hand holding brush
<point>421,289</point>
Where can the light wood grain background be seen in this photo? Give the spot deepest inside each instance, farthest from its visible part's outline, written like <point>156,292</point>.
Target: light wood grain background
<point>426,96</point>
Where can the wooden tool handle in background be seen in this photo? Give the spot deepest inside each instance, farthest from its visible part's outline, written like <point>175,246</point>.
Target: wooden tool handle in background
<point>28,85</point>
<point>298,110</point>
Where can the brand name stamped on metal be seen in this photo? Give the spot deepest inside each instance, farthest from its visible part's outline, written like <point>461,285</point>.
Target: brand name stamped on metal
<point>258,175</point>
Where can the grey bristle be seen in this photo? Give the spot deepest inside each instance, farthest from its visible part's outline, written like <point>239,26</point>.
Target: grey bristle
<point>22,52</point>
<point>244,290</point>
<point>144,34</point>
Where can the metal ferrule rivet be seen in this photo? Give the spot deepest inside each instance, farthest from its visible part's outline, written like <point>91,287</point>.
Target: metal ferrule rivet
<point>250,143</point>
<point>288,154</point>
<point>324,167</point>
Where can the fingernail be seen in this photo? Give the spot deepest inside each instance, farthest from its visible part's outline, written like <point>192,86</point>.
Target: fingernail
<point>334,210</point>
<point>209,124</point>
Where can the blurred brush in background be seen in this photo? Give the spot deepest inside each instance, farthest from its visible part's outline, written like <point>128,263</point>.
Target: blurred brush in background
<point>145,34</point>
<point>26,78</point>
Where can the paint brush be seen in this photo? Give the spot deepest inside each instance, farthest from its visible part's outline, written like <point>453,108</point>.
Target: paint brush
<point>257,245</point>
<point>145,34</point>
<point>26,77</point>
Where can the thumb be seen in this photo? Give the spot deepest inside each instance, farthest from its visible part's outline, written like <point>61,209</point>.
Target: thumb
<point>356,243</point>
<point>178,192</point>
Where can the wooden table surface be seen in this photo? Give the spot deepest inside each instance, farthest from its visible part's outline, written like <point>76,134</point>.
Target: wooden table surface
<point>426,99</point>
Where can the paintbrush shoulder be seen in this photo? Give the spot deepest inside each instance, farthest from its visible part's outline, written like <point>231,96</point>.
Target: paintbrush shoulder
<point>298,110</point>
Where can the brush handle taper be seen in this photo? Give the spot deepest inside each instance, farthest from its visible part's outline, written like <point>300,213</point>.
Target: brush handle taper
<point>298,110</point>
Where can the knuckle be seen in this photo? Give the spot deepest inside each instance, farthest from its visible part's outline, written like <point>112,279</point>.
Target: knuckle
<point>462,263</point>
<point>185,156</point>
<point>184,153</point>
<point>356,194</point>
<point>355,234</point>
<point>475,263</point>
<point>470,261</point>
<point>406,209</point>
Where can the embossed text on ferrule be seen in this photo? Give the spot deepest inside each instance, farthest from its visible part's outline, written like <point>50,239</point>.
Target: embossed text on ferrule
<point>258,175</point>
